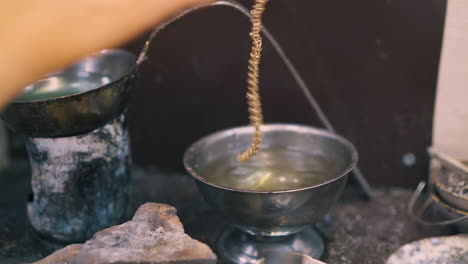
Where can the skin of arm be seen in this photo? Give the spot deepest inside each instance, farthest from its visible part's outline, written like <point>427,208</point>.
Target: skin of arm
<point>42,36</point>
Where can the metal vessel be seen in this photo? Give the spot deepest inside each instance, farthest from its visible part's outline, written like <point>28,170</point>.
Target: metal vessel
<point>272,220</point>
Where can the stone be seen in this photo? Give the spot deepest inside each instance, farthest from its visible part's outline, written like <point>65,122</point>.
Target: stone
<point>433,250</point>
<point>63,256</point>
<point>155,235</point>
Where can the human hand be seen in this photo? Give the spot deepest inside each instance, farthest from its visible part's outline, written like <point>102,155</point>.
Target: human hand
<point>42,36</point>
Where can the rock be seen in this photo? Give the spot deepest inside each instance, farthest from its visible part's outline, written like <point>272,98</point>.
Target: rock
<point>63,256</point>
<point>155,235</point>
<point>433,250</point>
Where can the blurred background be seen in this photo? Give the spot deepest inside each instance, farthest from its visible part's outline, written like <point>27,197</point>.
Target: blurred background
<point>371,64</point>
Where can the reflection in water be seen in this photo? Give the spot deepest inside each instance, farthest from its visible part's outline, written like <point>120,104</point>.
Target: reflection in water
<point>271,169</point>
<point>62,85</point>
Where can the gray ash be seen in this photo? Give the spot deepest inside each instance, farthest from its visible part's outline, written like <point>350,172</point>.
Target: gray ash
<point>458,183</point>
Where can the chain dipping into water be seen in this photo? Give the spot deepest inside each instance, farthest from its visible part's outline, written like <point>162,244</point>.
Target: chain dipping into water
<point>253,96</point>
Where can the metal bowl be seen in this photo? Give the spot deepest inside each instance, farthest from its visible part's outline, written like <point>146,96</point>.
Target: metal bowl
<point>440,178</point>
<point>451,213</point>
<point>79,112</point>
<point>273,213</point>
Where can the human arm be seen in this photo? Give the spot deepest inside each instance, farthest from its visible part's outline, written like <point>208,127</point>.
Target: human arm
<point>41,36</point>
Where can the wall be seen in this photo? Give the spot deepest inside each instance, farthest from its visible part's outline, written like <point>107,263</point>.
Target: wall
<point>451,114</point>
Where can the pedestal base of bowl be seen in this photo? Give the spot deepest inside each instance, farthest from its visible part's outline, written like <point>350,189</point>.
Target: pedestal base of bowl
<point>237,247</point>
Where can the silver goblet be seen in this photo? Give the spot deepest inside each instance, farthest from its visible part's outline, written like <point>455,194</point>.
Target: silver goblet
<point>272,221</point>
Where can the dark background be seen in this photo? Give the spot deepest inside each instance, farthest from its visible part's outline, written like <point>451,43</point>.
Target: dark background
<point>371,64</point>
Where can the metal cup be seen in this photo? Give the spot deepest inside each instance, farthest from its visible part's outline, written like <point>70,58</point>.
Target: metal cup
<point>280,218</point>
<point>78,146</point>
<point>79,112</point>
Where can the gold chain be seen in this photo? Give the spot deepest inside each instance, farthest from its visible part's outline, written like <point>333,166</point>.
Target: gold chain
<point>253,96</point>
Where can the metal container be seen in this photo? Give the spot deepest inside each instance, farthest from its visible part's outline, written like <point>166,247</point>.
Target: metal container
<point>279,212</point>
<point>450,214</point>
<point>78,146</point>
<point>4,159</point>
<point>444,202</point>
<point>446,170</point>
<point>440,180</point>
<point>272,220</point>
<point>80,112</point>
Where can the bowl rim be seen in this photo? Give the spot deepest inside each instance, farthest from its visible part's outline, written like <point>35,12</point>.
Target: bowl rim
<point>96,54</point>
<point>436,198</point>
<point>267,128</point>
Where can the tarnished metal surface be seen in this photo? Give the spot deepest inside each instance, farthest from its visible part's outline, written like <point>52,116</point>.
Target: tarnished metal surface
<point>80,184</point>
<point>78,113</point>
<point>237,247</point>
<point>440,209</point>
<point>442,178</point>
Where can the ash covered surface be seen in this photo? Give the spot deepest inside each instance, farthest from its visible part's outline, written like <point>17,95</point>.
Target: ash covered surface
<point>355,231</point>
<point>458,183</point>
<point>363,232</point>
